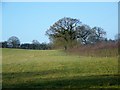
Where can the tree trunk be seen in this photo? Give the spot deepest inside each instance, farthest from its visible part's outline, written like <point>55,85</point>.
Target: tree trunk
<point>65,47</point>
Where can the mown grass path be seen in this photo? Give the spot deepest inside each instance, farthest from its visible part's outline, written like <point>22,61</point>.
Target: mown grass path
<point>56,69</point>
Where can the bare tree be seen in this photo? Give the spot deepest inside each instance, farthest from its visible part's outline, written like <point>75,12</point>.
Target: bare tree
<point>63,32</point>
<point>98,33</point>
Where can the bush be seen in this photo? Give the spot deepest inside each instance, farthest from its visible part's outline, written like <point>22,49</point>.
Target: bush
<point>102,49</point>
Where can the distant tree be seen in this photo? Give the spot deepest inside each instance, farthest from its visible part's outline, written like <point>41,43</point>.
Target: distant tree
<point>42,46</point>
<point>98,34</point>
<point>14,41</point>
<point>35,44</point>
<point>88,35</point>
<point>63,32</point>
<point>111,41</point>
<point>0,44</point>
<point>4,44</point>
<point>25,46</point>
<point>117,37</point>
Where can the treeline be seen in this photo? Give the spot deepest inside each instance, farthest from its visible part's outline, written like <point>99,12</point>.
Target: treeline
<point>14,42</point>
<point>42,46</point>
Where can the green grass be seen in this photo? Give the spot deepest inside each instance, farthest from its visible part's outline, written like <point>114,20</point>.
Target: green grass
<point>56,69</point>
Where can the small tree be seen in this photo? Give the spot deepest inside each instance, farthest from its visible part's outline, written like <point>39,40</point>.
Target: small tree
<point>98,34</point>
<point>14,41</point>
<point>117,37</point>
<point>89,35</point>
<point>35,44</point>
<point>4,44</point>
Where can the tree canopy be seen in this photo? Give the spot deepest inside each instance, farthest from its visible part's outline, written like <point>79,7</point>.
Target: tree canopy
<point>13,42</point>
<point>63,32</point>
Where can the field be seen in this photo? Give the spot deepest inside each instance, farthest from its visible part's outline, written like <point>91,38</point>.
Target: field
<point>56,69</point>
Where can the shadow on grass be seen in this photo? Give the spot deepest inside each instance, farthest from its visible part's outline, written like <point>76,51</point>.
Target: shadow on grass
<point>68,82</point>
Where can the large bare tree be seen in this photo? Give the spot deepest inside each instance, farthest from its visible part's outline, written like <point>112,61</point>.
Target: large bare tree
<point>63,32</point>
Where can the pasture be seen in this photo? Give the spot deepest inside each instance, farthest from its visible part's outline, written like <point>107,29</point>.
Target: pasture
<point>56,69</point>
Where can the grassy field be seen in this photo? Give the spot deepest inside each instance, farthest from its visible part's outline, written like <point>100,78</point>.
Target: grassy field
<point>56,69</point>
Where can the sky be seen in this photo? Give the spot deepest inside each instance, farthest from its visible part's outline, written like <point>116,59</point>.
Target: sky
<point>30,20</point>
